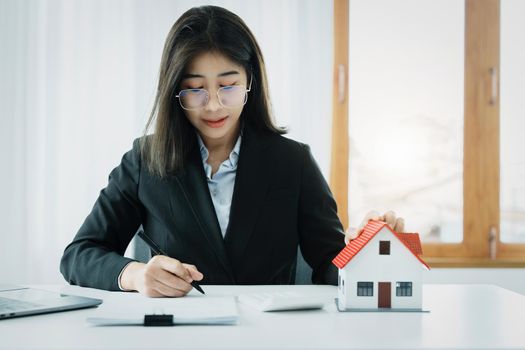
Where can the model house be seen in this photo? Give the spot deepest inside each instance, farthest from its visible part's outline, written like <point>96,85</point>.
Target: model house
<point>381,270</point>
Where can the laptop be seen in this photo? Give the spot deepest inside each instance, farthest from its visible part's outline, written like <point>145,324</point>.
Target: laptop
<point>16,301</point>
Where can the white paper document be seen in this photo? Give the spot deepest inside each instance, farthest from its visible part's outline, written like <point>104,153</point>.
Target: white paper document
<point>188,310</point>
<point>282,301</point>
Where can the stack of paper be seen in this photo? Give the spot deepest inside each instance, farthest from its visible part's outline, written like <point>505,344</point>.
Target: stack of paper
<point>189,310</point>
<point>282,301</point>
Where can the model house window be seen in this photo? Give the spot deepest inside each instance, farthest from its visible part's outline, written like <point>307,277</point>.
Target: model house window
<point>384,247</point>
<point>365,289</point>
<point>404,289</point>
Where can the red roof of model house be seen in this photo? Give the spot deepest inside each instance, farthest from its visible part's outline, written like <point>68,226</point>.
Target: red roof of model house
<point>409,240</point>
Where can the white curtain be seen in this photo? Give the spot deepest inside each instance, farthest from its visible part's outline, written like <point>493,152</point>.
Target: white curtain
<point>77,82</point>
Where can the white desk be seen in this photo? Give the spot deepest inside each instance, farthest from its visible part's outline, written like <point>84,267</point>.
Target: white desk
<point>461,317</point>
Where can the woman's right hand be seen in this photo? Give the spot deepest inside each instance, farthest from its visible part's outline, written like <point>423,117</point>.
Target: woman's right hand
<point>162,276</point>
<point>396,223</point>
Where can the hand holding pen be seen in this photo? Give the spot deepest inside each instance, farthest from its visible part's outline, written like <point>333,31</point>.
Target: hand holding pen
<point>156,249</point>
<point>161,276</point>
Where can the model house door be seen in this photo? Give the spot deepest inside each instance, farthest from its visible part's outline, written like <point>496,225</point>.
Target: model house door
<point>384,298</point>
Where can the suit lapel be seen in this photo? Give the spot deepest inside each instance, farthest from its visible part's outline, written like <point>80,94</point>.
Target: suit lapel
<point>192,184</point>
<point>251,184</point>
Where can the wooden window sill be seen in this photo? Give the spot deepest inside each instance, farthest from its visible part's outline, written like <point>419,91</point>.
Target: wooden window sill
<point>434,262</point>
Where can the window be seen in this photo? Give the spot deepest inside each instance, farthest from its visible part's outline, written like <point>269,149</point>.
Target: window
<point>422,126</point>
<point>365,289</point>
<point>465,197</point>
<point>512,124</point>
<point>404,289</point>
<point>384,247</point>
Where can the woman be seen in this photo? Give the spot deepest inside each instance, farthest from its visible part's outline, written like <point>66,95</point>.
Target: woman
<point>215,185</point>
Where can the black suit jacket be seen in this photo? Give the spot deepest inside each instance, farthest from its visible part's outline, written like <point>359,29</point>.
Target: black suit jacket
<point>280,201</point>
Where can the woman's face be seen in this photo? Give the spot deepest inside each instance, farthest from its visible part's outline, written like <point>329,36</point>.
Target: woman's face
<point>215,123</point>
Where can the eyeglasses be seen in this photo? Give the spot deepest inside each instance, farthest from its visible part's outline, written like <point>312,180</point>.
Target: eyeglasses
<point>228,96</point>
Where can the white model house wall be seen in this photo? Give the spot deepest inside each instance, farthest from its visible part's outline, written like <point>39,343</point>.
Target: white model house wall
<point>369,266</point>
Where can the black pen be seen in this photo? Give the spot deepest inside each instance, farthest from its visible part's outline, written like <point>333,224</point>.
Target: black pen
<point>156,249</point>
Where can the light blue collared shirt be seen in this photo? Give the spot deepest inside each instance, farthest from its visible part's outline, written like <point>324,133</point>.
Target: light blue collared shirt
<point>222,183</point>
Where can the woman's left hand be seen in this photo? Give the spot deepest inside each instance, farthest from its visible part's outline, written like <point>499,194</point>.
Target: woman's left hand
<point>396,223</point>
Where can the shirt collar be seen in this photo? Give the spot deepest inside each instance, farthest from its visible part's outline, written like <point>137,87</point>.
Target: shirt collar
<point>234,154</point>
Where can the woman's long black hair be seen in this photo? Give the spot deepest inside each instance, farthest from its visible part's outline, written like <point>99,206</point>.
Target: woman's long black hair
<point>199,30</point>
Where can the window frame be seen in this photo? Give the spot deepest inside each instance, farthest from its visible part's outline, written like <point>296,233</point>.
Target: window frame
<point>404,289</point>
<point>384,247</point>
<point>365,289</point>
<point>481,163</point>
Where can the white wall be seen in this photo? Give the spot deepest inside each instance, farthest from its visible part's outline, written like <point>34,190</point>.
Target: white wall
<point>509,278</point>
